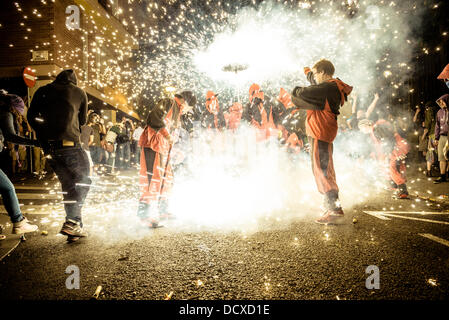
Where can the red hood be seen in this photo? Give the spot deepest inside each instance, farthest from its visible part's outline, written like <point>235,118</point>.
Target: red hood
<point>210,98</point>
<point>344,88</point>
<point>445,73</point>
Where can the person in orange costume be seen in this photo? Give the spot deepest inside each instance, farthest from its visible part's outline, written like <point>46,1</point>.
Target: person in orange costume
<point>156,175</point>
<point>290,132</point>
<point>233,116</point>
<point>212,117</point>
<point>260,115</point>
<point>396,148</point>
<point>322,101</point>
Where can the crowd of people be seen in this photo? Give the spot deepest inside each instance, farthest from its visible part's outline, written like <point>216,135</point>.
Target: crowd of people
<point>78,145</point>
<point>112,146</point>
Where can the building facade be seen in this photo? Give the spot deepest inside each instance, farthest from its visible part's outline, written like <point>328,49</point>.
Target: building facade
<point>84,35</point>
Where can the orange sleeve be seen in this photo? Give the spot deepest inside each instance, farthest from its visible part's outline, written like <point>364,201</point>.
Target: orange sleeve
<point>164,132</point>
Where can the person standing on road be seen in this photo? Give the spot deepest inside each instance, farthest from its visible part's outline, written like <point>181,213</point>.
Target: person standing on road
<point>95,148</point>
<point>429,131</point>
<point>396,149</point>
<point>212,117</point>
<point>156,175</point>
<point>441,130</point>
<point>260,114</point>
<point>87,138</point>
<point>322,101</point>
<point>57,112</point>
<point>10,104</point>
<point>136,137</point>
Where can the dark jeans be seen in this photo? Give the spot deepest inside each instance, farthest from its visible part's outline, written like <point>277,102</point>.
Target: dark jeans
<point>71,165</point>
<point>9,197</point>
<point>123,156</point>
<point>96,154</point>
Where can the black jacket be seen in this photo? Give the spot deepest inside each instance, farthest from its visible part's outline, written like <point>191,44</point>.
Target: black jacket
<point>59,109</point>
<point>208,120</point>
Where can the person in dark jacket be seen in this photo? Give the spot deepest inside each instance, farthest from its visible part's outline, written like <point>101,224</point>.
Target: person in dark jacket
<point>9,105</point>
<point>322,100</point>
<point>57,112</point>
<point>441,130</point>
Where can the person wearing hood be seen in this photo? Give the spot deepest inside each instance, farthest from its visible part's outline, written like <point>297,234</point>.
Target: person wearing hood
<point>260,114</point>
<point>156,175</point>
<point>233,116</point>
<point>11,105</point>
<point>441,130</point>
<point>322,101</point>
<point>212,117</point>
<point>57,112</point>
<point>291,133</point>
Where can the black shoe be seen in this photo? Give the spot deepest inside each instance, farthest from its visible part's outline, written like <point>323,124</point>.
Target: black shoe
<point>72,229</point>
<point>439,180</point>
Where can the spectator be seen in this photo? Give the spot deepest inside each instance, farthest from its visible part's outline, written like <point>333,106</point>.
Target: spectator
<point>358,115</point>
<point>95,148</point>
<point>441,129</point>
<point>9,105</point>
<point>111,145</point>
<point>429,131</point>
<point>123,144</point>
<point>419,119</point>
<point>136,137</point>
<point>87,138</point>
<point>57,112</point>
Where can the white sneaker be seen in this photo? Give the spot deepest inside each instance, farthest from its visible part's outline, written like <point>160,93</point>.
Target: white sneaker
<point>23,227</point>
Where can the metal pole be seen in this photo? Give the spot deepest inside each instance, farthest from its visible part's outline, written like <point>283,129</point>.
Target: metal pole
<point>30,148</point>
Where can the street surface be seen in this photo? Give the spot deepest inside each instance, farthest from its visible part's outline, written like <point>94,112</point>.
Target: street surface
<point>293,259</point>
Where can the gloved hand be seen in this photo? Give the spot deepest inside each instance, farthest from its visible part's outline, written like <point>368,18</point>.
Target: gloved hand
<point>310,77</point>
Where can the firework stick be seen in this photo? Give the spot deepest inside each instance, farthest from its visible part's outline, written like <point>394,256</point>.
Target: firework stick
<point>165,171</point>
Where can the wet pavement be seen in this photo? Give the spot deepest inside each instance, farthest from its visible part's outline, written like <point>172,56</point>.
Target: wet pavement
<point>407,241</point>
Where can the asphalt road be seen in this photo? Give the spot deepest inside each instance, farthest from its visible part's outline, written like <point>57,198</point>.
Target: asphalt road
<point>294,260</point>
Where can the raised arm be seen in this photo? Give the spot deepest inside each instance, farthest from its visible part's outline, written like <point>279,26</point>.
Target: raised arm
<point>354,103</point>
<point>372,106</point>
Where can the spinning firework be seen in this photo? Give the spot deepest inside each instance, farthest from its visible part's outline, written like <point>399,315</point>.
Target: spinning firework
<point>236,68</point>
